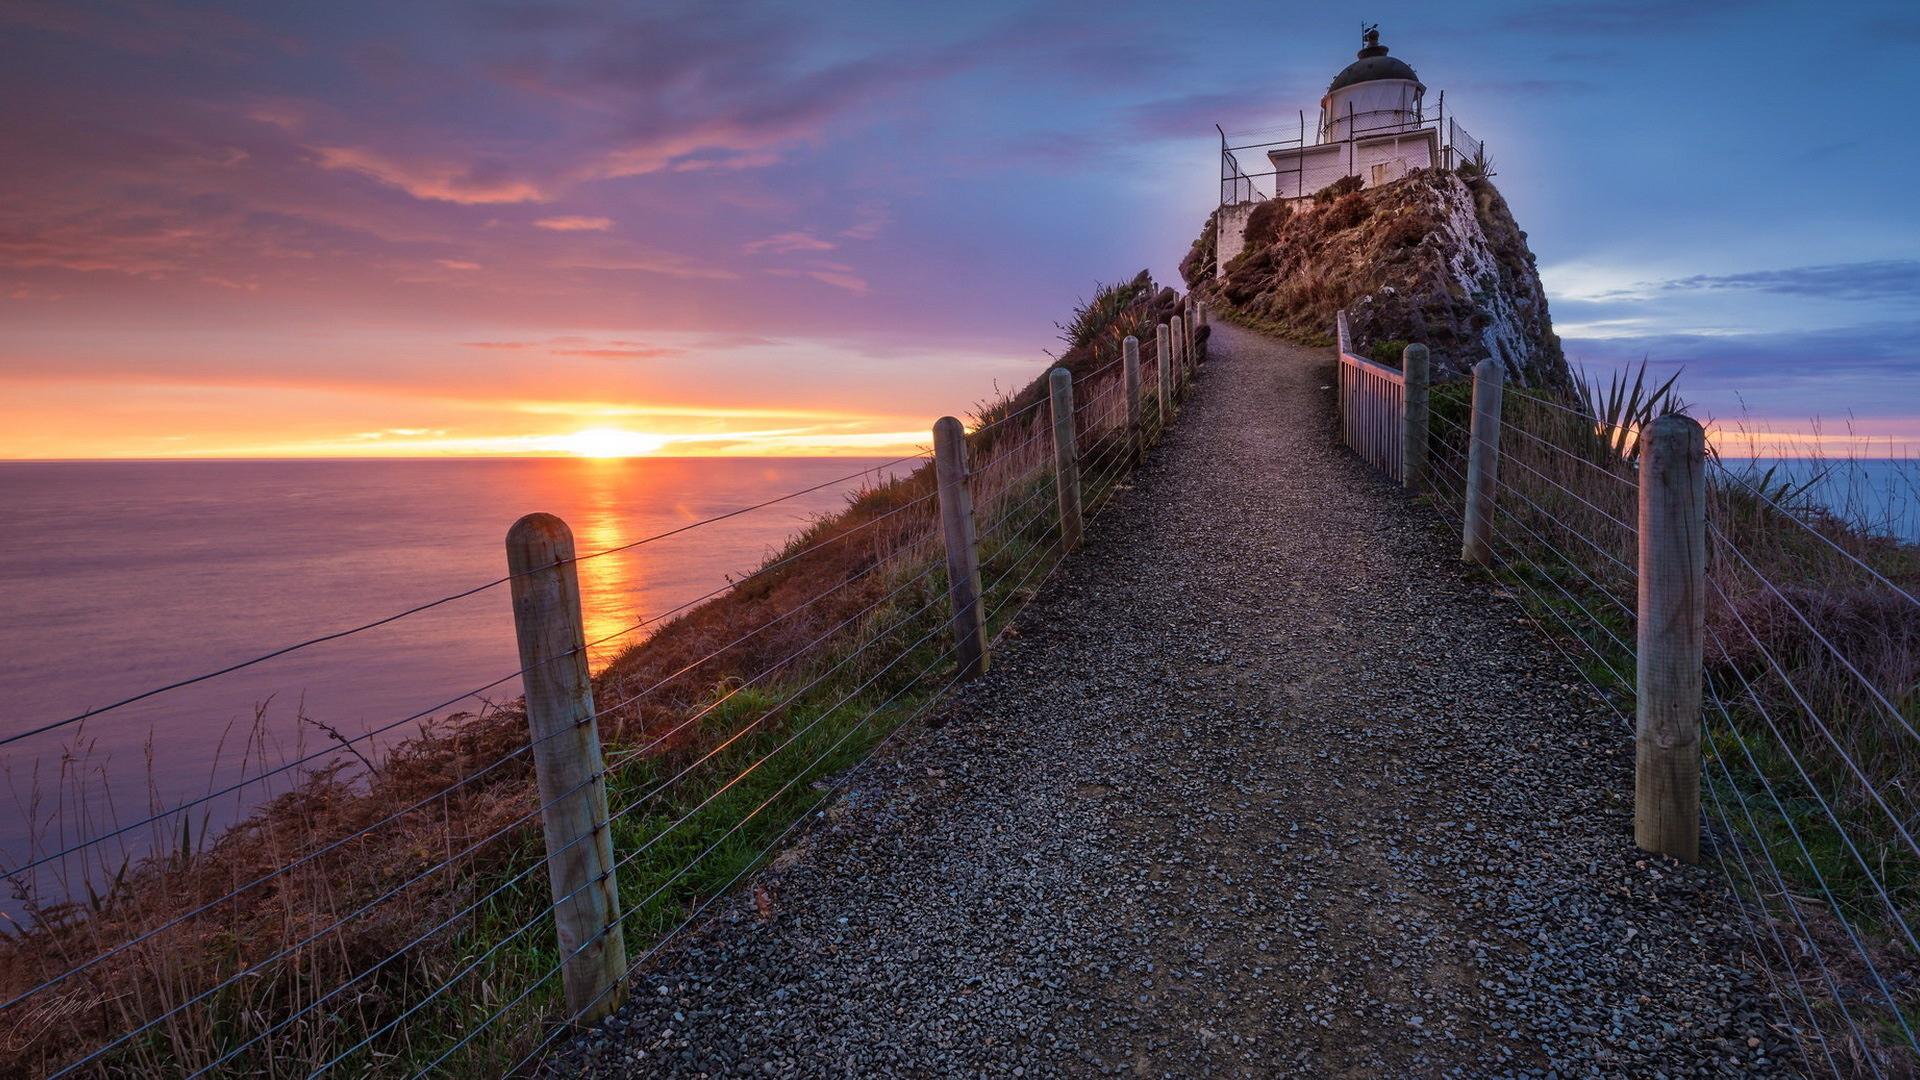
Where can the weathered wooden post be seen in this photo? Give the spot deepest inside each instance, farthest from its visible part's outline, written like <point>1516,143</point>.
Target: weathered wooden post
<point>969,618</point>
<point>1200,320</point>
<point>1163,360</point>
<point>1483,462</point>
<point>1413,435</point>
<point>566,763</point>
<point>1066,458</point>
<point>1672,634</point>
<point>1178,331</point>
<point>1130,371</point>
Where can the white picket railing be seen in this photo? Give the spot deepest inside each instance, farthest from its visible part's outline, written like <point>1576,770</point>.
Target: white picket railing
<point>1373,404</point>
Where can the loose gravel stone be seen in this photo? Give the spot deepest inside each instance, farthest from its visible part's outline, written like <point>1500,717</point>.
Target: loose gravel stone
<point>1266,782</point>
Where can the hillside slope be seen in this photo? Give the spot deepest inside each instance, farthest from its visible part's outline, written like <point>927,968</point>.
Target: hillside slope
<point>1435,258</point>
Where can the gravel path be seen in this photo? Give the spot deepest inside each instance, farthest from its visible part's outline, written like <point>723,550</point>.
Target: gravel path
<point>1268,783</point>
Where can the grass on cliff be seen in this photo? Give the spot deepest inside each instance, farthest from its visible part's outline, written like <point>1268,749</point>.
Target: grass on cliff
<point>381,920</point>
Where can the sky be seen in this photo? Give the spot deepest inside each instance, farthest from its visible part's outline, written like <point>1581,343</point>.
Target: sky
<point>289,230</point>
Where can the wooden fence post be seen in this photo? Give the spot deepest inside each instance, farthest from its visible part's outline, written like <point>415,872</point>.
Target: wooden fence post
<point>1163,361</point>
<point>1483,462</point>
<point>1130,370</point>
<point>1178,331</point>
<point>1066,458</point>
<point>1672,633</point>
<point>969,616</point>
<point>1413,435</point>
<point>566,763</point>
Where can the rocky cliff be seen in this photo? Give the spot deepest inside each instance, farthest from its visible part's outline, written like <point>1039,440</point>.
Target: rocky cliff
<point>1435,258</point>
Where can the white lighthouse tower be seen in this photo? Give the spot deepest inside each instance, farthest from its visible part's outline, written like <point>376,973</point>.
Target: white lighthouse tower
<point>1374,123</point>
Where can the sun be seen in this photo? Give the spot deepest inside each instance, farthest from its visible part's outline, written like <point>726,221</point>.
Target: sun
<point>611,443</point>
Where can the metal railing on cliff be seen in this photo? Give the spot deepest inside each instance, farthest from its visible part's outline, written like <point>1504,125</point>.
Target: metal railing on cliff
<point>1455,147</point>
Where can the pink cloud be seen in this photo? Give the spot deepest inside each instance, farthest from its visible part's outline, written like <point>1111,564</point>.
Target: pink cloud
<point>650,352</point>
<point>786,243</point>
<point>840,280</point>
<point>663,263</point>
<point>464,184</point>
<point>267,195</point>
<point>574,223</point>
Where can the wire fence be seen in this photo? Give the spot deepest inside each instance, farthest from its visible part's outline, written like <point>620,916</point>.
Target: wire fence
<point>1462,148</point>
<point>1810,657</point>
<point>410,920</point>
<point>1236,186</point>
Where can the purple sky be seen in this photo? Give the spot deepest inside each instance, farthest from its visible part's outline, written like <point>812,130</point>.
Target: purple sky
<point>405,228</point>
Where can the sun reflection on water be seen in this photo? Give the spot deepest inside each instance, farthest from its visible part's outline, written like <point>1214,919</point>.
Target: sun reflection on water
<point>610,584</point>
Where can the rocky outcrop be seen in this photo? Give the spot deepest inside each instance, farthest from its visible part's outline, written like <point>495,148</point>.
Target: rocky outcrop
<point>1435,258</point>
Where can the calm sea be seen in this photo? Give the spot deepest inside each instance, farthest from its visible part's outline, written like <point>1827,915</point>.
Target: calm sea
<point>119,577</point>
<point>1882,494</point>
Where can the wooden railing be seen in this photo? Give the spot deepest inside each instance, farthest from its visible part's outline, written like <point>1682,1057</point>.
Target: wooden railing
<point>1373,407</point>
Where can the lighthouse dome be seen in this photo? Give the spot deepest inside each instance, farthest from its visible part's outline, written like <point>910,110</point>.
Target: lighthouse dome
<point>1373,65</point>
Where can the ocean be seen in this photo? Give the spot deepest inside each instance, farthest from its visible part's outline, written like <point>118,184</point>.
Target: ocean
<point>1882,494</point>
<point>120,577</point>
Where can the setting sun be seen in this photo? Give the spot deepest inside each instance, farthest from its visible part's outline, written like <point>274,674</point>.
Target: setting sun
<point>612,443</point>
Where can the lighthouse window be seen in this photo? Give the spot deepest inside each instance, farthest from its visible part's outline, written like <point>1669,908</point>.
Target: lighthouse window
<point>1379,174</point>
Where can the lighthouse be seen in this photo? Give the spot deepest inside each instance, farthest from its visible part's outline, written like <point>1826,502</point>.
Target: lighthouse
<point>1374,123</point>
